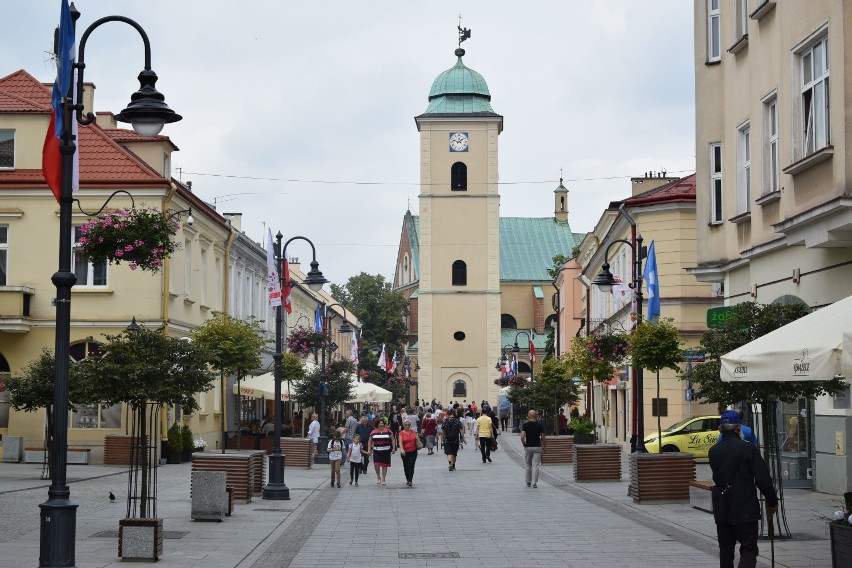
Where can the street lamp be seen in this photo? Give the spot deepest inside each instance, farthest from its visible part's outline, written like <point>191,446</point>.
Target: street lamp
<point>275,489</point>
<point>605,281</point>
<point>345,329</point>
<point>147,112</point>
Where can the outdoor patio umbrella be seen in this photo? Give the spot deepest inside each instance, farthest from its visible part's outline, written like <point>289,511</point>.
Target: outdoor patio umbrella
<point>367,392</point>
<point>817,347</point>
<point>261,386</point>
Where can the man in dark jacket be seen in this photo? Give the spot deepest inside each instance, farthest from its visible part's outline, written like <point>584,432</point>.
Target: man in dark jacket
<point>737,467</point>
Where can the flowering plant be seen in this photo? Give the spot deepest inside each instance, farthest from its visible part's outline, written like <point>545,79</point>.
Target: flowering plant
<point>610,347</point>
<point>510,381</point>
<point>842,517</point>
<point>140,237</point>
<point>304,341</point>
<point>199,444</point>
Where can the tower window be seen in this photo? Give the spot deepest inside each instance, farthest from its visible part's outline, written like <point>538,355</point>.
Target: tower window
<point>459,273</point>
<point>562,203</point>
<point>459,389</point>
<point>508,321</point>
<point>458,177</point>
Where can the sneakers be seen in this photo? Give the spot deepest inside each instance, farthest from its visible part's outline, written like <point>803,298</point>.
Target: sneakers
<point>350,482</point>
<point>528,484</point>
<point>338,485</point>
<point>489,460</point>
<point>535,485</point>
<point>356,484</point>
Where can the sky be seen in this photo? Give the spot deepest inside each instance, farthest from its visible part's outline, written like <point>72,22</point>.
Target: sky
<point>300,115</point>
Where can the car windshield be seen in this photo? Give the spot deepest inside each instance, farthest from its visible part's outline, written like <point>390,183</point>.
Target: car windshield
<point>678,425</point>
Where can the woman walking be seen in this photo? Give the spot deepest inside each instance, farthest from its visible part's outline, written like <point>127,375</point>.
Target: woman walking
<point>382,446</point>
<point>430,430</point>
<point>408,449</point>
<point>356,458</point>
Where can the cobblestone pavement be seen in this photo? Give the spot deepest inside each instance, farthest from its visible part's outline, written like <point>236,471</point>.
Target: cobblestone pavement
<point>479,515</point>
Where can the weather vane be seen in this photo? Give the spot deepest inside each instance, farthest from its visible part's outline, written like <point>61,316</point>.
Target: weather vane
<point>464,33</point>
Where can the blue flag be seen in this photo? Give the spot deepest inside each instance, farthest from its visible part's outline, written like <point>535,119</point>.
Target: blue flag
<point>318,319</point>
<point>652,282</point>
<point>64,64</point>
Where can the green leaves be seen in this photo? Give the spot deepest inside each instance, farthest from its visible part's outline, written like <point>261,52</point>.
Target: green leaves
<point>337,375</point>
<point>379,309</point>
<point>656,345</point>
<point>553,386</point>
<point>232,345</point>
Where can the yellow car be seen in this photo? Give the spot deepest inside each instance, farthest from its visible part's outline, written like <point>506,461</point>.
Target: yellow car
<point>694,436</point>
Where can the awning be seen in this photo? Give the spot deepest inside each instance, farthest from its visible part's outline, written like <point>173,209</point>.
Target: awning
<point>817,347</point>
<point>261,386</point>
<point>368,392</point>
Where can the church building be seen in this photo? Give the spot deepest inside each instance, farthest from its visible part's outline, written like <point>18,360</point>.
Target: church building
<point>477,283</point>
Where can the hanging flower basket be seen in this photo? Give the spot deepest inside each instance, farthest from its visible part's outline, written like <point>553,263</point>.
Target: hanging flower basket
<point>140,237</point>
<point>303,341</point>
<point>510,381</point>
<point>610,347</point>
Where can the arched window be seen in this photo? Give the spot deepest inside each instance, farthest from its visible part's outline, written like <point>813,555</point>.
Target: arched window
<point>459,273</point>
<point>458,177</point>
<point>508,322</point>
<point>549,321</point>
<point>405,278</point>
<point>523,367</point>
<point>459,389</point>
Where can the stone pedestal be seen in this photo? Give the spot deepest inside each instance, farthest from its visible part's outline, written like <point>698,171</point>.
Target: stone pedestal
<point>13,449</point>
<point>210,500</point>
<point>140,539</point>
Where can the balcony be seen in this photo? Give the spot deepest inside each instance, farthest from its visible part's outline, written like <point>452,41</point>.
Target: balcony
<point>15,308</point>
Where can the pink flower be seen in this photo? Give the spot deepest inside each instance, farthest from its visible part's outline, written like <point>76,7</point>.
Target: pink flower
<point>119,253</point>
<point>128,248</point>
<point>138,243</point>
<point>133,266</point>
<point>83,240</point>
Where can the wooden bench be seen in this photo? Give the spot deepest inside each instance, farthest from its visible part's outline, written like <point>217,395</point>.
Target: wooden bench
<point>597,462</point>
<point>661,478</point>
<point>73,456</point>
<point>558,450</point>
<point>699,495</point>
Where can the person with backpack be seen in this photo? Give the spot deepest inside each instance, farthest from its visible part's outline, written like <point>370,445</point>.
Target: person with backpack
<point>356,459</point>
<point>453,432</point>
<point>335,457</point>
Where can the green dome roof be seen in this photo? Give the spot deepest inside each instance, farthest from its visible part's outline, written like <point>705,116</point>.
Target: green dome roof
<point>459,90</point>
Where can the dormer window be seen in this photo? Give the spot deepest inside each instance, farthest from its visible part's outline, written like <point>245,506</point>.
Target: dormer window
<point>458,177</point>
<point>7,149</point>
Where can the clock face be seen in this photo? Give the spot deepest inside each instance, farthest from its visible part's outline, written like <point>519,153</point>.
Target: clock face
<point>458,142</point>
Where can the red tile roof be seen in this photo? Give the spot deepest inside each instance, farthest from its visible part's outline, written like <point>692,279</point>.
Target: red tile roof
<point>102,161</point>
<point>681,190</point>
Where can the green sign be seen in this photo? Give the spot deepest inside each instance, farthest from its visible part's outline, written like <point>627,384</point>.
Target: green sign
<point>717,316</point>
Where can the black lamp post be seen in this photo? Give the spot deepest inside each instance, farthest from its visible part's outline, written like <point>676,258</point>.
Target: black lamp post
<point>516,350</point>
<point>605,281</point>
<point>345,328</point>
<point>147,112</point>
<point>276,488</point>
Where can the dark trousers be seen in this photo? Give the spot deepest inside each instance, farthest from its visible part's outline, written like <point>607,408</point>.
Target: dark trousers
<point>365,464</point>
<point>485,448</point>
<point>354,470</point>
<point>504,423</point>
<point>408,464</point>
<point>731,533</point>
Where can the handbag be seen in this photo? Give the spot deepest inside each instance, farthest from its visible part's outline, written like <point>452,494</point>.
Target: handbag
<point>493,444</point>
<point>419,442</point>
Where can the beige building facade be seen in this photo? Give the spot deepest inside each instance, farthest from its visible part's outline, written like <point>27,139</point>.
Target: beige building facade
<point>773,177</point>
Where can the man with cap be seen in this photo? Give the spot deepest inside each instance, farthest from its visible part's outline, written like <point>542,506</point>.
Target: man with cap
<point>737,468</point>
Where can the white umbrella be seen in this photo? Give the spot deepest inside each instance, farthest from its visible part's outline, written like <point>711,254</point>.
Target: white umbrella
<point>261,386</point>
<point>368,392</point>
<point>817,347</point>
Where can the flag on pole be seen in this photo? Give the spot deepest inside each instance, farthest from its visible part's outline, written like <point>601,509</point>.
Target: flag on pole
<point>514,365</point>
<point>383,359</point>
<point>532,346</point>
<point>273,283</point>
<point>51,159</point>
<point>318,327</point>
<point>407,367</point>
<point>652,281</point>
<point>353,349</point>
<point>286,298</point>
<point>392,364</point>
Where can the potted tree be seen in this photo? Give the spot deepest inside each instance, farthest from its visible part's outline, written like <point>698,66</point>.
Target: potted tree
<point>175,443</point>
<point>584,430</point>
<point>187,443</point>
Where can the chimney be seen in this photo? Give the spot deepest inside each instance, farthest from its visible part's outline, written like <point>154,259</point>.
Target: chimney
<point>294,263</point>
<point>649,181</point>
<point>235,219</point>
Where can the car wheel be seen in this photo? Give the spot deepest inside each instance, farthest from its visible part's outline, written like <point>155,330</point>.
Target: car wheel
<point>670,448</point>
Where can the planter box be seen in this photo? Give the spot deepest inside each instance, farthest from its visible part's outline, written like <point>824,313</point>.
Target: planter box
<point>699,495</point>
<point>841,545</point>
<point>584,438</point>
<point>117,449</point>
<point>558,450</point>
<point>661,478</point>
<point>597,462</point>
<point>237,466</point>
<point>73,456</point>
<point>140,539</point>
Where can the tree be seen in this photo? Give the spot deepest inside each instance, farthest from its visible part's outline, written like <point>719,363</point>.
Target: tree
<point>379,309</point>
<point>337,375</point>
<point>553,387</point>
<point>655,345</point>
<point>747,322</point>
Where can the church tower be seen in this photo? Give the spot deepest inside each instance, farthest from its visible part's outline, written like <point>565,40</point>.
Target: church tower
<point>459,290</point>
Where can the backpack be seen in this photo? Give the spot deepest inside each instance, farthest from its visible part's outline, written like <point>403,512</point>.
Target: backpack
<point>451,430</point>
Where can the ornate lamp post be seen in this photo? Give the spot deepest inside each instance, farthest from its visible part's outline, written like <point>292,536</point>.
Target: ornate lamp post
<point>147,112</point>
<point>276,489</point>
<point>605,281</point>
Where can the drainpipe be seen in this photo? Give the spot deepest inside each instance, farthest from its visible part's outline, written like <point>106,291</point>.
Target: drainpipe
<point>223,378</point>
<point>164,317</point>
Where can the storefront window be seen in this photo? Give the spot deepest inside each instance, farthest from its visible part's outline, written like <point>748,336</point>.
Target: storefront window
<point>92,415</point>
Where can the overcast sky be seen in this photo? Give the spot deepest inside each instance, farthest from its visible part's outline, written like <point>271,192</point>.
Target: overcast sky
<point>317,99</point>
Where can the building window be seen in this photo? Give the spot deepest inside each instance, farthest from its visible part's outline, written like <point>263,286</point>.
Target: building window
<point>202,293</point>
<point>743,168</point>
<point>815,104</point>
<point>459,273</point>
<point>459,336</point>
<point>7,149</point>
<point>405,278</point>
<point>4,254</point>
<point>458,177</point>
<point>92,415</point>
<point>714,39</point>
<point>508,321</point>
<point>771,166</point>
<point>715,183</point>
<point>88,274</point>
<point>459,389</point>
<point>742,18</point>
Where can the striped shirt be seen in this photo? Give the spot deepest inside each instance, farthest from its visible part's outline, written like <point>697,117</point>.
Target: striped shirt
<point>381,440</point>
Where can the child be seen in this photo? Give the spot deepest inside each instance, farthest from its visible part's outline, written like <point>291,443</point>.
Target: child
<point>356,459</point>
<point>335,455</point>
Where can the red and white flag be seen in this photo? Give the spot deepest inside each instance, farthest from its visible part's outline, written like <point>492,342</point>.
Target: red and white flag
<point>532,347</point>
<point>392,364</point>
<point>353,349</point>
<point>286,295</point>
<point>383,359</point>
<point>273,284</point>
